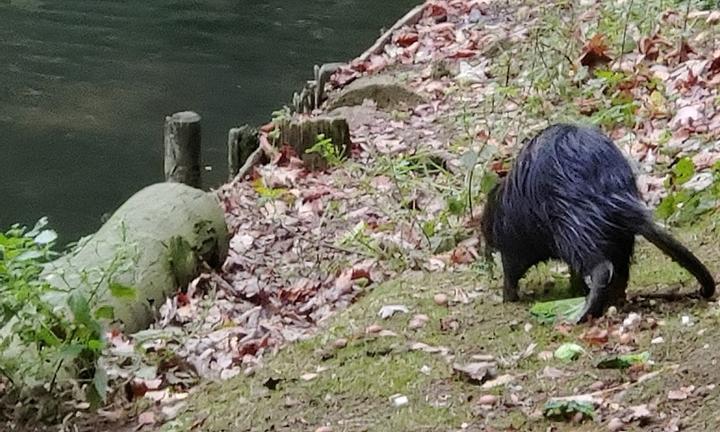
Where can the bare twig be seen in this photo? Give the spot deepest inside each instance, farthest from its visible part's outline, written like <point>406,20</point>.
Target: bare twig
<point>254,159</point>
<point>264,151</point>
<point>624,35</point>
<point>410,18</point>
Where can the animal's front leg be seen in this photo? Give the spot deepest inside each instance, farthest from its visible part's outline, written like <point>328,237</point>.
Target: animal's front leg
<point>597,280</point>
<point>578,287</point>
<point>513,271</point>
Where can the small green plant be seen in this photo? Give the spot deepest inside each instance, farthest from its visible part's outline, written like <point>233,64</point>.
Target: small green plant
<point>51,338</point>
<point>327,150</point>
<point>683,205</point>
<point>358,237</point>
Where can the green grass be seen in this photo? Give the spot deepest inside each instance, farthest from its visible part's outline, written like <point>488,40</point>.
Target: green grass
<point>353,386</point>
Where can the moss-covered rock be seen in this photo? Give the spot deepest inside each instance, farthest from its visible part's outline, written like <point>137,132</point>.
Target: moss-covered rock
<point>153,244</point>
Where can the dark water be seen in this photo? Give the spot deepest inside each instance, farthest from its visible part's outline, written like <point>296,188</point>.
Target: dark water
<point>85,86</point>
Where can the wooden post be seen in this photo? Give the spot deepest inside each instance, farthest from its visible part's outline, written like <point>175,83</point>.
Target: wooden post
<point>182,149</point>
<point>302,133</point>
<point>242,142</point>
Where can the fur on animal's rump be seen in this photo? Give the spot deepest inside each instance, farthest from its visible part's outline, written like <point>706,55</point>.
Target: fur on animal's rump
<point>572,195</point>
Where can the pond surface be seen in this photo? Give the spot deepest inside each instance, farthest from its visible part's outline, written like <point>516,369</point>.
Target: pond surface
<point>85,87</point>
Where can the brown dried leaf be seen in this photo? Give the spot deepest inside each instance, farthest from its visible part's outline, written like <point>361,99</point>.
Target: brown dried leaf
<point>595,336</point>
<point>146,418</point>
<point>595,52</point>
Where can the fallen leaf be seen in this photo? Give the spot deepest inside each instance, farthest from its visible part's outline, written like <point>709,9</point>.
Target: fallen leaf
<point>406,38</point>
<point>146,418</point>
<point>553,373</point>
<point>390,310</point>
<point>498,382</point>
<point>595,52</point>
<point>623,361</point>
<point>567,407</point>
<point>568,352</point>
<point>680,394</point>
<point>418,321</point>
<point>476,373</point>
<point>595,336</point>
<point>638,412</point>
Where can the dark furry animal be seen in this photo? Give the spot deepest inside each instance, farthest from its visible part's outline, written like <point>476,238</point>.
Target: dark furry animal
<point>571,195</point>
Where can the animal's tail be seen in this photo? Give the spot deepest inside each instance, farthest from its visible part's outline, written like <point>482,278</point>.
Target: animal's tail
<point>680,254</point>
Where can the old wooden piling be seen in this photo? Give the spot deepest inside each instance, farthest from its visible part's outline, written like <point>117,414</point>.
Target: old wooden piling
<point>182,149</point>
<point>242,142</point>
<point>302,134</point>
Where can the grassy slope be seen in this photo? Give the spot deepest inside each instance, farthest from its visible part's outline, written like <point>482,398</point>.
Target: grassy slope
<point>353,386</point>
<point>352,390</point>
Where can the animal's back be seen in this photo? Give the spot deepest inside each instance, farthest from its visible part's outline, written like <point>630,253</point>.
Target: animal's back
<point>573,185</point>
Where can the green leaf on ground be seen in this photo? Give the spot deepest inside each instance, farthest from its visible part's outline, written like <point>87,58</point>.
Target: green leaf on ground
<point>623,361</point>
<point>552,311</point>
<point>568,352</point>
<point>567,408</point>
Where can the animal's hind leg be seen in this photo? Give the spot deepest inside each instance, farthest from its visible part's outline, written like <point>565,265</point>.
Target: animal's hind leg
<point>618,285</point>
<point>621,273</point>
<point>597,279</point>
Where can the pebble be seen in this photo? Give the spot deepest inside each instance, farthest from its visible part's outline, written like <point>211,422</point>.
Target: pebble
<point>615,424</point>
<point>418,321</point>
<point>324,429</point>
<point>632,321</point>
<point>487,399</point>
<point>625,338</point>
<point>373,329</point>
<point>340,343</point>
<point>441,299</point>
<point>597,385</point>
<point>545,355</point>
<point>399,400</point>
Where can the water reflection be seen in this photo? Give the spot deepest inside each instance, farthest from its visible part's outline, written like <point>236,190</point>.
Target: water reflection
<point>86,84</point>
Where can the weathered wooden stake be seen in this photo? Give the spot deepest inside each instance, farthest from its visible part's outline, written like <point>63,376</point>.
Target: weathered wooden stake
<point>182,149</point>
<point>302,133</point>
<point>242,142</point>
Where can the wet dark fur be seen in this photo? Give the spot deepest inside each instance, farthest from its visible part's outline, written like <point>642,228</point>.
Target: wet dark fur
<point>571,195</point>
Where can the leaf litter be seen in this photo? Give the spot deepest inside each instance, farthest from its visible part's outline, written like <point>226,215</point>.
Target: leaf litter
<point>306,244</point>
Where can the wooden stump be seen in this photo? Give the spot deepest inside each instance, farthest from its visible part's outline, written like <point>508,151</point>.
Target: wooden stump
<point>302,134</point>
<point>182,149</point>
<point>242,142</point>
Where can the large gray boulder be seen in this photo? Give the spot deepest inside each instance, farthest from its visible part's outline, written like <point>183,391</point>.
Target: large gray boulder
<point>153,244</point>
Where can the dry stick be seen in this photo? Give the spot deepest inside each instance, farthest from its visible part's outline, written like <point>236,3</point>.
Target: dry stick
<point>620,387</point>
<point>412,213</point>
<point>683,41</point>
<point>252,160</point>
<point>552,48</point>
<point>411,18</point>
<point>264,149</point>
<point>624,35</point>
<point>507,72</point>
<point>528,89</point>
